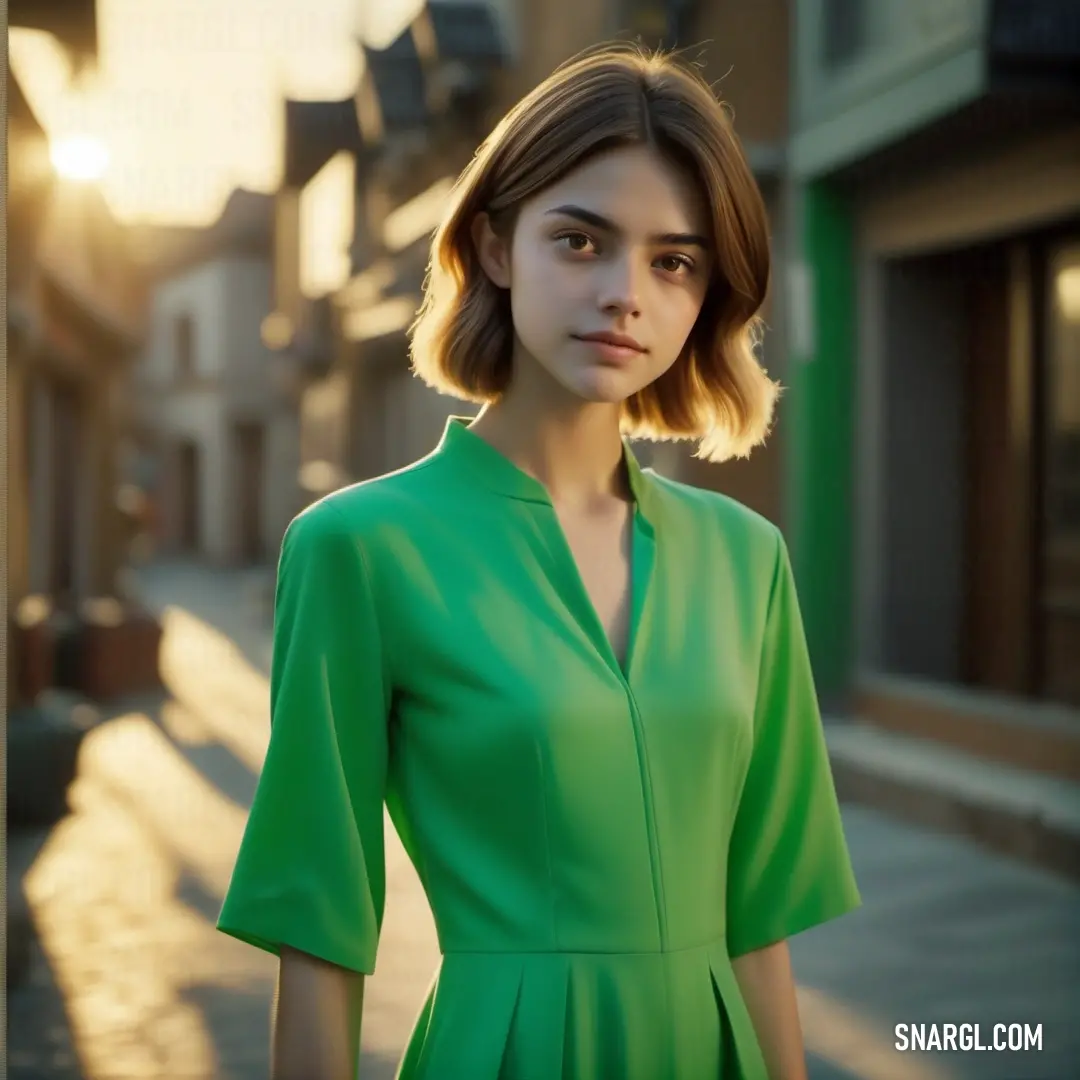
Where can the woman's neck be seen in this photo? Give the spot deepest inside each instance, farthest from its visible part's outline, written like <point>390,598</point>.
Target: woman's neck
<point>574,449</point>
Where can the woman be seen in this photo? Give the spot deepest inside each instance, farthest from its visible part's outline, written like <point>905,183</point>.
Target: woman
<point>582,690</point>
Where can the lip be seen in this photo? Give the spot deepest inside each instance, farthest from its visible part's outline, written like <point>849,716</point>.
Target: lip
<point>621,344</point>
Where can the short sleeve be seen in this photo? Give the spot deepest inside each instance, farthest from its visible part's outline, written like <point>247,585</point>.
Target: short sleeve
<point>789,867</point>
<point>310,872</point>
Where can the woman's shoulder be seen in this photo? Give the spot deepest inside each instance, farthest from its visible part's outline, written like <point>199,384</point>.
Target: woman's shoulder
<point>723,518</point>
<point>742,549</point>
<point>368,509</point>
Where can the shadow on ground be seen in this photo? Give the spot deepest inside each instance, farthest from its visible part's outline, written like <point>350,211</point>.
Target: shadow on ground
<point>150,772</point>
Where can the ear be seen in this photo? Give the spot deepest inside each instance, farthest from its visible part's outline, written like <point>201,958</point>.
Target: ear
<point>492,250</point>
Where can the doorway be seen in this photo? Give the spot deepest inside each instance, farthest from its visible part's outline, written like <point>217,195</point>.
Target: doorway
<point>921,479</point>
<point>980,478</point>
<point>999,646</point>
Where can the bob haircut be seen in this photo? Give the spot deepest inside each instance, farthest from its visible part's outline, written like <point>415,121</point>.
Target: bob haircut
<point>615,95</point>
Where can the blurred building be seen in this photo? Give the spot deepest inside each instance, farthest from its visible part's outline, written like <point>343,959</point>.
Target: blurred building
<point>933,475</point>
<point>366,181</point>
<point>216,435</point>
<point>74,319</point>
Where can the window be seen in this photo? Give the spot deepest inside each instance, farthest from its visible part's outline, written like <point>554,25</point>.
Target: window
<point>184,346</point>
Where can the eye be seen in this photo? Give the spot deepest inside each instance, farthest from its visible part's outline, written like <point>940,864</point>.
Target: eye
<point>676,264</point>
<point>575,241</point>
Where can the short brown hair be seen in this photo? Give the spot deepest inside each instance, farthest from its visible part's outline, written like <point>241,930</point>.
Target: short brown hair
<point>611,96</point>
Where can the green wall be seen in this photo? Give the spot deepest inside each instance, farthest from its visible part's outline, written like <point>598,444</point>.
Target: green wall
<point>821,401</point>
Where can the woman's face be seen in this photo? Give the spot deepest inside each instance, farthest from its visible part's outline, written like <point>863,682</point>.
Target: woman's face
<point>607,271</point>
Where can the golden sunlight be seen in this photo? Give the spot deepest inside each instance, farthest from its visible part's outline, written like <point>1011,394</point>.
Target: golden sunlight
<point>80,157</point>
<point>127,888</point>
<point>326,227</point>
<point>841,1035</point>
<point>187,94</point>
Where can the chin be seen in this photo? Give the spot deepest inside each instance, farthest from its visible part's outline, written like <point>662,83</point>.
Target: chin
<point>605,386</point>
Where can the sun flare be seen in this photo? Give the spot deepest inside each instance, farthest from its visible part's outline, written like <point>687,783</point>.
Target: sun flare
<point>80,157</point>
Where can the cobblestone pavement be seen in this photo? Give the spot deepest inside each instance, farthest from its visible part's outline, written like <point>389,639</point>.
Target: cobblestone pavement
<point>131,981</point>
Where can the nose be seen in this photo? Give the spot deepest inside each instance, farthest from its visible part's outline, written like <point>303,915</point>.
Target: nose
<point>619,288</point>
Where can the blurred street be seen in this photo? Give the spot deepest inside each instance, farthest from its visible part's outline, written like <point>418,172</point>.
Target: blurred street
<point>220,226</point>
<point>131,982</point>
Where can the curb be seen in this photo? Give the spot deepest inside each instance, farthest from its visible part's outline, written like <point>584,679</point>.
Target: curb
<point>1020,814</point>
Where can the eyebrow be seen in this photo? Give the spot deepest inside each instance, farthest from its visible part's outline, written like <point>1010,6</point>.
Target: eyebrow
<point>598,221</point>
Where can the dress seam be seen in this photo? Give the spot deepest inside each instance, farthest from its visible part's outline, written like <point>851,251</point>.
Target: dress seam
<point>547,842</point>
<point>697,947</point>
<point>650,812</point>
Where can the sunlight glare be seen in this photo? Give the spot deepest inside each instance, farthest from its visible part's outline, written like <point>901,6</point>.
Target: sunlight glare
<point>859,1045</point>
<point>326,227</point>
<point>80,157</point>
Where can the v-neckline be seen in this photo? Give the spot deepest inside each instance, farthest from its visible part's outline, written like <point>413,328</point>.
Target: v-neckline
<point>640,572</point>
<point>498,472</point>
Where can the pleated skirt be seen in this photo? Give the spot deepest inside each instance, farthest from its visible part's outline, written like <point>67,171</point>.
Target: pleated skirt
<point>584,1016</point>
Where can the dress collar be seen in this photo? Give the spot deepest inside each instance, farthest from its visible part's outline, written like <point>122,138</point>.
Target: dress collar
<point>499,473</point>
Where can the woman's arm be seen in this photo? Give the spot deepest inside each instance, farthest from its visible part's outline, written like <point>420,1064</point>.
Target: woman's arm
<point>316,1021</point>
<point>768,988</point>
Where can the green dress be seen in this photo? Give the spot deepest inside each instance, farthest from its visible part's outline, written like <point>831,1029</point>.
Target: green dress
<point>596,843</point>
